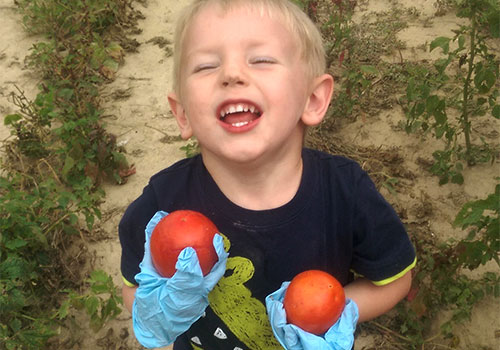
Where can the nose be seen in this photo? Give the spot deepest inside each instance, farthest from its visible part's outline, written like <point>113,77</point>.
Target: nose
<point>231,80</point>
<point>233,74</point>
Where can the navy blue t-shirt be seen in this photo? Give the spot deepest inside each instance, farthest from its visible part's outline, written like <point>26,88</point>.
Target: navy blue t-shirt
<point>337,222</point>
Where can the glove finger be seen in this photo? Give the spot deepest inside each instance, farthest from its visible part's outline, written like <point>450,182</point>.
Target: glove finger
<point>153,222</point>
<point>218,243</point>
<point>274,306</point>
<point>188,275</point>
<point>296,338</point>
<point>160,314</point>
<point>148,333</point>
<point>291,339</point>
<point>309,341</point>
<point>219,268</point>
<point>341,335</point>
<point>280,293</point>
<point>149,277</point>
<point>277,315</point>
<point>146,264</point>
<point>187,261</point>
<point>276,312</point>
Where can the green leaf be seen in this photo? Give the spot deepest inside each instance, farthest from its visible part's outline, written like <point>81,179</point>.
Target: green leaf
<point>481,101</point>
<point>457,179</point>
<point>13,267</point>
<point>96,323</point>
<point>73,219</point>
<point>472,212</point>
<point>461,41</point>
<point>99,288</point>
<point>15,324</point>
<point>91,305</point>
<point>439,131</point>
<point>64,309</point>
<point>411,90</point>
<point>439,112</point>
<point>77,303</point>
<point>431,103</point>
<point>64,199</point>
<point>419,109</point>
<point>111,64</point>
<point>15,244</point>
<point>368,69</point>
<point>495,112</point>
<point>99,276</point>
<point>441,64</point>
<point>65,94</point>
<point>69,163</point>
<point>494,23</point>
<point>484,79</point>
<point>11,119</point>
<point>442,42</point>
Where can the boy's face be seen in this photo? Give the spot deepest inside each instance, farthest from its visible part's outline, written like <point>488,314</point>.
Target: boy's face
<point>243,85</point>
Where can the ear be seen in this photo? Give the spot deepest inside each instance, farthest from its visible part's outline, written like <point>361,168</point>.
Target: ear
<point>319,100</point>
<point>180,115</point>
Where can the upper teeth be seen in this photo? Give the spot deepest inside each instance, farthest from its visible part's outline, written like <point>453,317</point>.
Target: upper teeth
<point>236,108</point>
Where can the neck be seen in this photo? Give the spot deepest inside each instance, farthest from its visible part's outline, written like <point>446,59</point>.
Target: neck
<point>259,185</point>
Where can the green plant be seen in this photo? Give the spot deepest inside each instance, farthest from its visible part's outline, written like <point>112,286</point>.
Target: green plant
<point>439,282</point>
<point>191,148</point>
<point>482,244</point>
<point>36,218</point>
<point>77,56</point>
<point>101,302</point>
<point>453,292</point>
<point>51,172</point>
<point>472,91</point>
<point>354,56</point>
<point>31,130</point>
<point>342,53</point>
<point>63,18</point>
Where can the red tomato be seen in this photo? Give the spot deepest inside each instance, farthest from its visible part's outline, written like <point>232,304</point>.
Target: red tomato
<point>178,230</point>
<point>314,301</point>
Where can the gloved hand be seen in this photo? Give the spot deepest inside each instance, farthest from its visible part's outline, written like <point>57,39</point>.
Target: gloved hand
<point>340,336</point>
<point>164,308</point>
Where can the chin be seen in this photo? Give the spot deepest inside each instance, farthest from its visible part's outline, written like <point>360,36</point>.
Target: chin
<point>244,157</point>
<point>234,155</point>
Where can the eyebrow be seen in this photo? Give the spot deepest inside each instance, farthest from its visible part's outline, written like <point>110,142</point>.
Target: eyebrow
<point>253,44</point>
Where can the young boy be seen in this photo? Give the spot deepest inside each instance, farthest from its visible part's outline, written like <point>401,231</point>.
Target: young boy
<point>248,79</point>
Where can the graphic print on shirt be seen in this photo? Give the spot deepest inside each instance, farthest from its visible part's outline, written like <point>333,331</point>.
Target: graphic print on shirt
<point>244,315</point>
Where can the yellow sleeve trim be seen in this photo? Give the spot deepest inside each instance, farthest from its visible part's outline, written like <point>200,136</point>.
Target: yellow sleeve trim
<point>399,275</point>
<point>127,283</point>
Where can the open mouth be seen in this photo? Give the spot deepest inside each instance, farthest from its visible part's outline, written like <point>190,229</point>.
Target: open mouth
<point>239,114</point>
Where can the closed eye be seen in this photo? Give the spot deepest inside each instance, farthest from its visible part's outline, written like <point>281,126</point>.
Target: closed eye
<point>258,60</point>
<point>204,66</point>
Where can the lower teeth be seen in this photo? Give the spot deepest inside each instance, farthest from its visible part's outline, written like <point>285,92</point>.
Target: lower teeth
<point>239,124</point>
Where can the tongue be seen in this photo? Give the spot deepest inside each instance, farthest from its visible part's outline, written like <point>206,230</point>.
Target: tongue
<point>241,117</point>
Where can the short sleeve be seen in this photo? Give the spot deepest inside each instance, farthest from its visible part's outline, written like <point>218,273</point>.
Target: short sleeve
<point>131,231</point>
<point>382,250</point>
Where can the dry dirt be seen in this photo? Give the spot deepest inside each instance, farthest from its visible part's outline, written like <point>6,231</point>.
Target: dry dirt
<point>137,113</point>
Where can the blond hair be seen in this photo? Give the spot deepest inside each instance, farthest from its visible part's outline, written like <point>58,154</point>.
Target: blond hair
<point>308,37</point>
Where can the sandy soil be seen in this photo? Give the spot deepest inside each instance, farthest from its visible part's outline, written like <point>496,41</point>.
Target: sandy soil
<point>137,113</point>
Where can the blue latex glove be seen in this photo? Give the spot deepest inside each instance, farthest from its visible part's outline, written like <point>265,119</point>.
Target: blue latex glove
<point>340,336</point>
<point>164,308</point>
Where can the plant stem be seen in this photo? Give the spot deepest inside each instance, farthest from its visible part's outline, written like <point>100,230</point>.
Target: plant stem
<point>467,83</point>
<point>61,219</point>
<point>390,331</point>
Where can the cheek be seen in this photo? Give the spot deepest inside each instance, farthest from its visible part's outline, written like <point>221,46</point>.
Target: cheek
<point>294,99</point>
<point>194,102</point>
<point>293,86</point>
